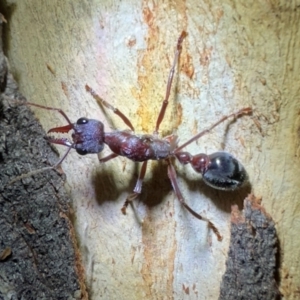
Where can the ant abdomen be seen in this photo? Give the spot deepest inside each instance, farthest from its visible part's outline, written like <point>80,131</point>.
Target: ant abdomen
<point>224,172</point>
<point>219,170</point>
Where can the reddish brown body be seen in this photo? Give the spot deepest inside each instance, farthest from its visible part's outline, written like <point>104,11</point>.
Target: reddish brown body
<point>138,147</point>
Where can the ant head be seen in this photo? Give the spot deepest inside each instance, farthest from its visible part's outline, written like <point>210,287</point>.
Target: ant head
<point>224,172</point>
<point>88,136</point>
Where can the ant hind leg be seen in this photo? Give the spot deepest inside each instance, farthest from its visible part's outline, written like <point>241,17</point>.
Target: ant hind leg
<point>173,179</point>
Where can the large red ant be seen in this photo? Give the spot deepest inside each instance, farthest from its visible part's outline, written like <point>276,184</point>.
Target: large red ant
<point>219,170</point>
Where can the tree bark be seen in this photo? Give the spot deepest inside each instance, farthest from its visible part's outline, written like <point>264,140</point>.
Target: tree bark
<point>237,54</point>
<point>39,257</point>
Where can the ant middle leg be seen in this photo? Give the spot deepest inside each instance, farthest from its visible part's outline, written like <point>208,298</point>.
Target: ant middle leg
<point>137,189</point>
<point>107,158</point>
<point>173,178</point>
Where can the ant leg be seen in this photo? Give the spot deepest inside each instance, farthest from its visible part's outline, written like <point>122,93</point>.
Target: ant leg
<point>137,189</point>
<point>62,129</point>
<point>107,105</point>
<point>107,158</point>
<point>51,140</point>
<point>50,108</point>
<point>173,179</point>
<point>23,176</point>
<point>169,84</point>
<point>243,111</point>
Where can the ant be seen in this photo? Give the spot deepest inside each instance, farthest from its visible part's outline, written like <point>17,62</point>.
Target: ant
<point>219,170</point>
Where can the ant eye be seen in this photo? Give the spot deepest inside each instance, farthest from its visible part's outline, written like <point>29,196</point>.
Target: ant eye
<point>82,121</point>
<point>81,151</point>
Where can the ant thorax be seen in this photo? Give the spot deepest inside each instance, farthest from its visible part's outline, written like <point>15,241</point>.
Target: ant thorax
<point>140,148</point>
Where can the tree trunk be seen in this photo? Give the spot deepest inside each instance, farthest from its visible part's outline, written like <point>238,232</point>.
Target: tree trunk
<point>235,55</point>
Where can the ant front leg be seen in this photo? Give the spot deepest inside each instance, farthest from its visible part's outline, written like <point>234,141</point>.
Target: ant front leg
<point>173,178</point>
<point>38,171</point>
<point>61,141</point>
<point>51,108</point>
<point>107,105</point>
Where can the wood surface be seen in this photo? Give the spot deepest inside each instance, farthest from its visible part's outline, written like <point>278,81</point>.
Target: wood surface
<point>237,54</point>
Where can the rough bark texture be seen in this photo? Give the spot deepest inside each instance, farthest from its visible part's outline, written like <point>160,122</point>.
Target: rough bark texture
<point>251,265</point>
<point>38,256</point>
<point>237,54</point>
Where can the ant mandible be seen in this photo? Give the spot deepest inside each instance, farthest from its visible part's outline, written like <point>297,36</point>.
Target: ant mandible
<point>219,170</point>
